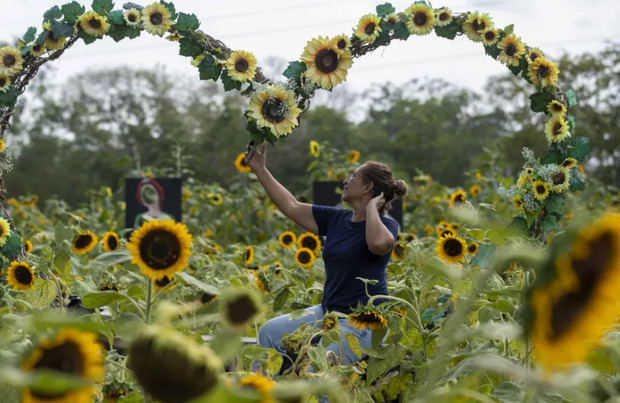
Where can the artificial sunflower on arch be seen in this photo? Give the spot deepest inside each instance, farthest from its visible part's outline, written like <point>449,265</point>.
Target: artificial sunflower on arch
<point>156,19</point>
<point>93,24</point>
<point>274,108</point>
<point>421,19</point>
<point>327,63</point>
<point>368,28</point>
<point>241,65</point>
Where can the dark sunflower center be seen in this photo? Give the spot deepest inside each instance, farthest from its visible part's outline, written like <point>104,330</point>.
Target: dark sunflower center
<point>36,47</point>
<point>287,239</point>
<point>304,257</point>
<point>241,310</point>
<point>206,297</point>
<point>23,275</point>
<point>241,65</point>
<point>132,17</point>
<point>511,49</point>
<point>566,164</point>
<point>472,248</point>
<point>556,107</point>
<point>368,317</point>
<point>489,36</point>
<point>420,19</point>
<point>589,271</point>
<point>247,255</point>
<point>543,71</point>
<point>479,25</point>
<point>83,240</point>
<point>156,18</point>
<point>557,128</point>
<point>533,56</point>
<point>2,82</point>
<point>342,44</point>
<point>458,199</point>
<point>112,242</point>
<point>444,16</point>
<point>558,178</point>
<point>326,60</point>
<point>160,249</point>
<point>274,110</point>
<point>369,29</point>
<point>164,281</point>
<point>453,248</point>
<point>64,358</point>
<point>94,23</point>
<point>399,250</point>
<point>540,189</point>
<point>8,60</point>
<point>309,243</point>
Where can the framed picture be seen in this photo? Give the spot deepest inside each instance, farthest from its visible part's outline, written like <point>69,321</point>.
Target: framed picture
<point>152,198</point>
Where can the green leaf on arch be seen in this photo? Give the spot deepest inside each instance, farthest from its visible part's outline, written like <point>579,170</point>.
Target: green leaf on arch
<point>294,70</point>
<point>572,98</point>
<point>385,9</point>
<point>72,11</point>
<point>208,69</point>
<point>540,100</point>
<point>116,17</point>
<point>187,23</point>
<point>102,7</point>
<point>170,7</point>
<point>579,148</point>
<point>229,82</point>
<point>190,46</point>
<point>60,29</point>
<point>53,13</point>
<point>401,32</point>
<point>448,31</point>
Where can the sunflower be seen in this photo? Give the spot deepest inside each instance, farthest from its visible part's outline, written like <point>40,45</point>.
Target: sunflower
<point>368,28</point>
<point>10,61</point>
<point>239,306</point>
<point>156,19</point>
<point>353,156</point>
<point>310,241</point>
<point>2,145</point>
<point>315,148</point>
<point>533,54</point>
<point>571,316</point>
<point>543,72</point>
<point>443,16</point>
<point>132,17</point>
<point>73,352</point>
<point>421,19</point>
<point>5,231</point>
<point>474,191</point>
<point>27,246</point>
<point>391,20</point>
<point>259,383</point>
<point>457,198</point>
<point>241,65</point>
<point>330,321</point>
<point>304,257</point>
<point>327,64</point>
<point>109,287</point>
<point>368,320</point>
<point>342,42</point>
<point>216,198</point>
<point>93,24</point>
<point>556,108</point>
<point>287,239</point>
<point>556,129</point>
<point>37,49</point>
<point>568,163</point>
<point>248,255</point>
<point>241,165</point>
<point>160,248</point>
<point>451,248</point>
<point>445,232</point>
<point>20,276</point>
<point>172,367</point>
<point>560,180</point>
<point>472,248</point>
<point>489,36</point>
<point>511,50</point>
<point>84,242</point>
<point>517,201</point>
<point>206,297</point>
<point>541,190</point>
<point>164,284</point>
<point>275,108</point>
<point>475,24</point>
<point>5,83</point>
<point>399,252</point>
<point>51,42</point>
<point>110,241</point>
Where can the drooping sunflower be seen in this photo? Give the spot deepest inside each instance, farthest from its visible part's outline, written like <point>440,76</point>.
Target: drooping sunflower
<point>84,242</point>
<point>164,284</point>
<point>10,61</point>
<point>160,248</point>
<point>443,16</point>
<point>156,19</point>
<point>304,257</point>
<point>353,156</point>
<point>457,198</point>
<point>517,201</point>
<point>5,231</point>
<point>37,50</point>
<point>556,129</point>
<point>327,64</point>
<point>20,276</point>
<point>368,28</point>
<point>511,50</point>
<point>543,72</point>
<point>310,241</point>
<point>132,17</point>
<point>330,321</point>
<point>474,191</point>
<point>239,306</point>
<point>248,255</point>
<point>540,189</point>
<point>571,316</point>
<point>489,36</point>
<point>93,24</point>
<point>368,319</point>
<point>533,54</point>
<point>560,181</point>
<point>241,165</point>
<point>568,163</point>
<point>262,384</point>
<point>451,249</point>
<point>110,241</point>
<point>399,252</point>
<point>241,65</point>
<point>5,83</point>
<point>475,24</point>
<point>287,239</point>
<point>206,297</point>
<point>27,246</point>
<point>315,148</point>
<point>73,352</point>
<point>555,107</point>
<point>275,108</point>
<point>109,287</point>
<point>342,42</point>
<point>420,20</point>
<point>472,248</point>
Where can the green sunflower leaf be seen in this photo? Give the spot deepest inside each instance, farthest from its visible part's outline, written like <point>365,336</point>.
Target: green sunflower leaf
<point>280,300</point>
<point>118,32</point>
<point>571,123</point>
<point>576,180</point>
<point>29,35</point>
<point>516,70</point>
<point>116,17</point>
<point>13,245</point>
<point>9,97</point>
<point>383,38</point>
<point>572,98</point>
<point>449,31</point>
<point>539,101</point>
<point>86,38</point>
<point>492,51</point>
<point>554,204</point>
<point>60,29</point>
<point>99,299</point>
<point>102,7</point>
<point>401,32</point>
<point>72,11</point>
<point>294,70</point>
<point>519,224</point>
<point>53,13</point>
<point>229,82</point>
<point>130,5</point>
<point>549,223</point>
<point>187,23</point>
<point>553,157</point>
<point>509,29</point>
<point>170,7</point>
<point>208,69</point>
<point>385,9</point>
<point>579,148</point>
<point>190,46</point>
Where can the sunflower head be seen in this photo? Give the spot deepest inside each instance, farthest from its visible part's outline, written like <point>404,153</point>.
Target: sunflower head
<point>241,164</point>
<point>206,297</point>
<point>368,28</point>
<point>451,248</point>
<point>353,156</point>
<point>110,241</point>
<point>475,24</point>
<point>443,16</point>
<point>248,255</point>
<point>555,107</point>
<point>543,72</point>
<point>156,19</point>
<point>164,284</point>
<point>304,257</point>
<point>310,241</point>
<point>533,54</point>
<point>368,319</point>
<point>27,246</point>
<point>37,49</point>
<point>315,148</point>
<point>84,242</point>
<point>5,83</point>
<point>457,198</point>
<point>472,248</point>
<point>399,252</point>
<point>511,50</point>
<point>287,239</point>
<point>540,189</point>
<point>568,163</point>
<point>241,65</point>
<point>421,19</point>
<point>560,180</point>
<point>489,36</point>
<point>261,384</point>
<point>274,108</point>
<point>342,42</point>
<point>239,306</point>
<point>327,64</point>
<point>556,129</point>
<point>93,24</point>
<point>10,61</point>
<point>517,201</point>
<point>132,17</point>
<point>474,191</point>
<point>330,321</point>
<point>160,248</point>
<point>20,276</point>
<point>5,231</point>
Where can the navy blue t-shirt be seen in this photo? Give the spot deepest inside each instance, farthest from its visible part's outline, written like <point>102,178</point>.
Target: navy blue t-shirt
<point>346,257</point>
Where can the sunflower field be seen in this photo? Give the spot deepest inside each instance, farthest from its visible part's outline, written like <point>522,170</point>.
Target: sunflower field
<point>500,289</point>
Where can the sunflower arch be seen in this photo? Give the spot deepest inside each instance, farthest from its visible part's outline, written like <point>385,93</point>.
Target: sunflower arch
<point>274,108</point>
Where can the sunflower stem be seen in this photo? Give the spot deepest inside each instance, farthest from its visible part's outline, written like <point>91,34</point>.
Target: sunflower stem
<point>149,291</point>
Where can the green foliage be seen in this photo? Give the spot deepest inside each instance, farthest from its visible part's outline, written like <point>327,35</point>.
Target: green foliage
<point>9,97</point>
<point>385,9</point>
<point>209,70</point>
<point>509,29</point>
<point>52,14</point>
<point>170,6</point>
<point>12,247</point>
<point>401,32</point>
<point>119,32</point>
<point>229,82</point>
<point>187,23</point>
<point>540,100</point>
<point>102,7</point>
<point>72,11</point>
<point>29,35</point>
<point>191,45</point>
<point>294,70</point>
<point>60,29</point>
<point>572,98</point>
<point>579,148</point>
<point>116,17</point>
<point>448,31</point>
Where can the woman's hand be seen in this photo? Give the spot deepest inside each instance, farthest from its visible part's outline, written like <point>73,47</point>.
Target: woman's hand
<point>376,202</point>
<point>255,158</point>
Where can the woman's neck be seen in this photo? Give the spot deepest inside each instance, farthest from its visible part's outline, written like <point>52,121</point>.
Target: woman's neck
<point>359,210</point>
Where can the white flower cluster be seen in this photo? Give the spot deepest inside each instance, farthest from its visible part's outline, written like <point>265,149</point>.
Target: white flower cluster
<point>529,157</point>
<point>531,204</point>
<point>547,171</point>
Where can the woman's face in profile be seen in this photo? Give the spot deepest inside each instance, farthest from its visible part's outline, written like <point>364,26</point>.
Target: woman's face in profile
<point>150,196</point>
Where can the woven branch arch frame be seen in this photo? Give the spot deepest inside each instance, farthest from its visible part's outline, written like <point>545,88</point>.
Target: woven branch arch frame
<point>275,107</point>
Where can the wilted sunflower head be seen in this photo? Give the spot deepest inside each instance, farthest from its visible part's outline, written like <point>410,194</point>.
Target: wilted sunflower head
<point>156,19</point>
<point>451,248</point>
<point>84,242</point>
<point>172,367</point>
<point>10,61</point>
<point>421,19</point>
<point>239,306</point>
<point>287,239</point>
<point>160,248</point>
<point>457,198</point>
<point>241,65</point>
<point>304,257</point>
<point>368,319</point>
<point>310,241</point>
<point>110,241</point>
<point>275,108</point>
<point>368,28</point>
<point>399,252</point>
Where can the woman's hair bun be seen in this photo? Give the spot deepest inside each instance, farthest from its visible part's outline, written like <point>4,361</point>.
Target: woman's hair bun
<point>400,187</point>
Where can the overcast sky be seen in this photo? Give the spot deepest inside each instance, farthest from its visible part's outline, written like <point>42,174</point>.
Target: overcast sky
<point>282,27</point>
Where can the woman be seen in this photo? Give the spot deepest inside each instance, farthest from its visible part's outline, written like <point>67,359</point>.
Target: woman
<point>358,244</point>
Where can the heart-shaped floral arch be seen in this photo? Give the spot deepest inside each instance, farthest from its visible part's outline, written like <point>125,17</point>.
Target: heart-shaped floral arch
<point>274,108</point>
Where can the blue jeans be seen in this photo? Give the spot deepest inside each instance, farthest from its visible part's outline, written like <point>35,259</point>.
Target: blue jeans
<point>270,334</point>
